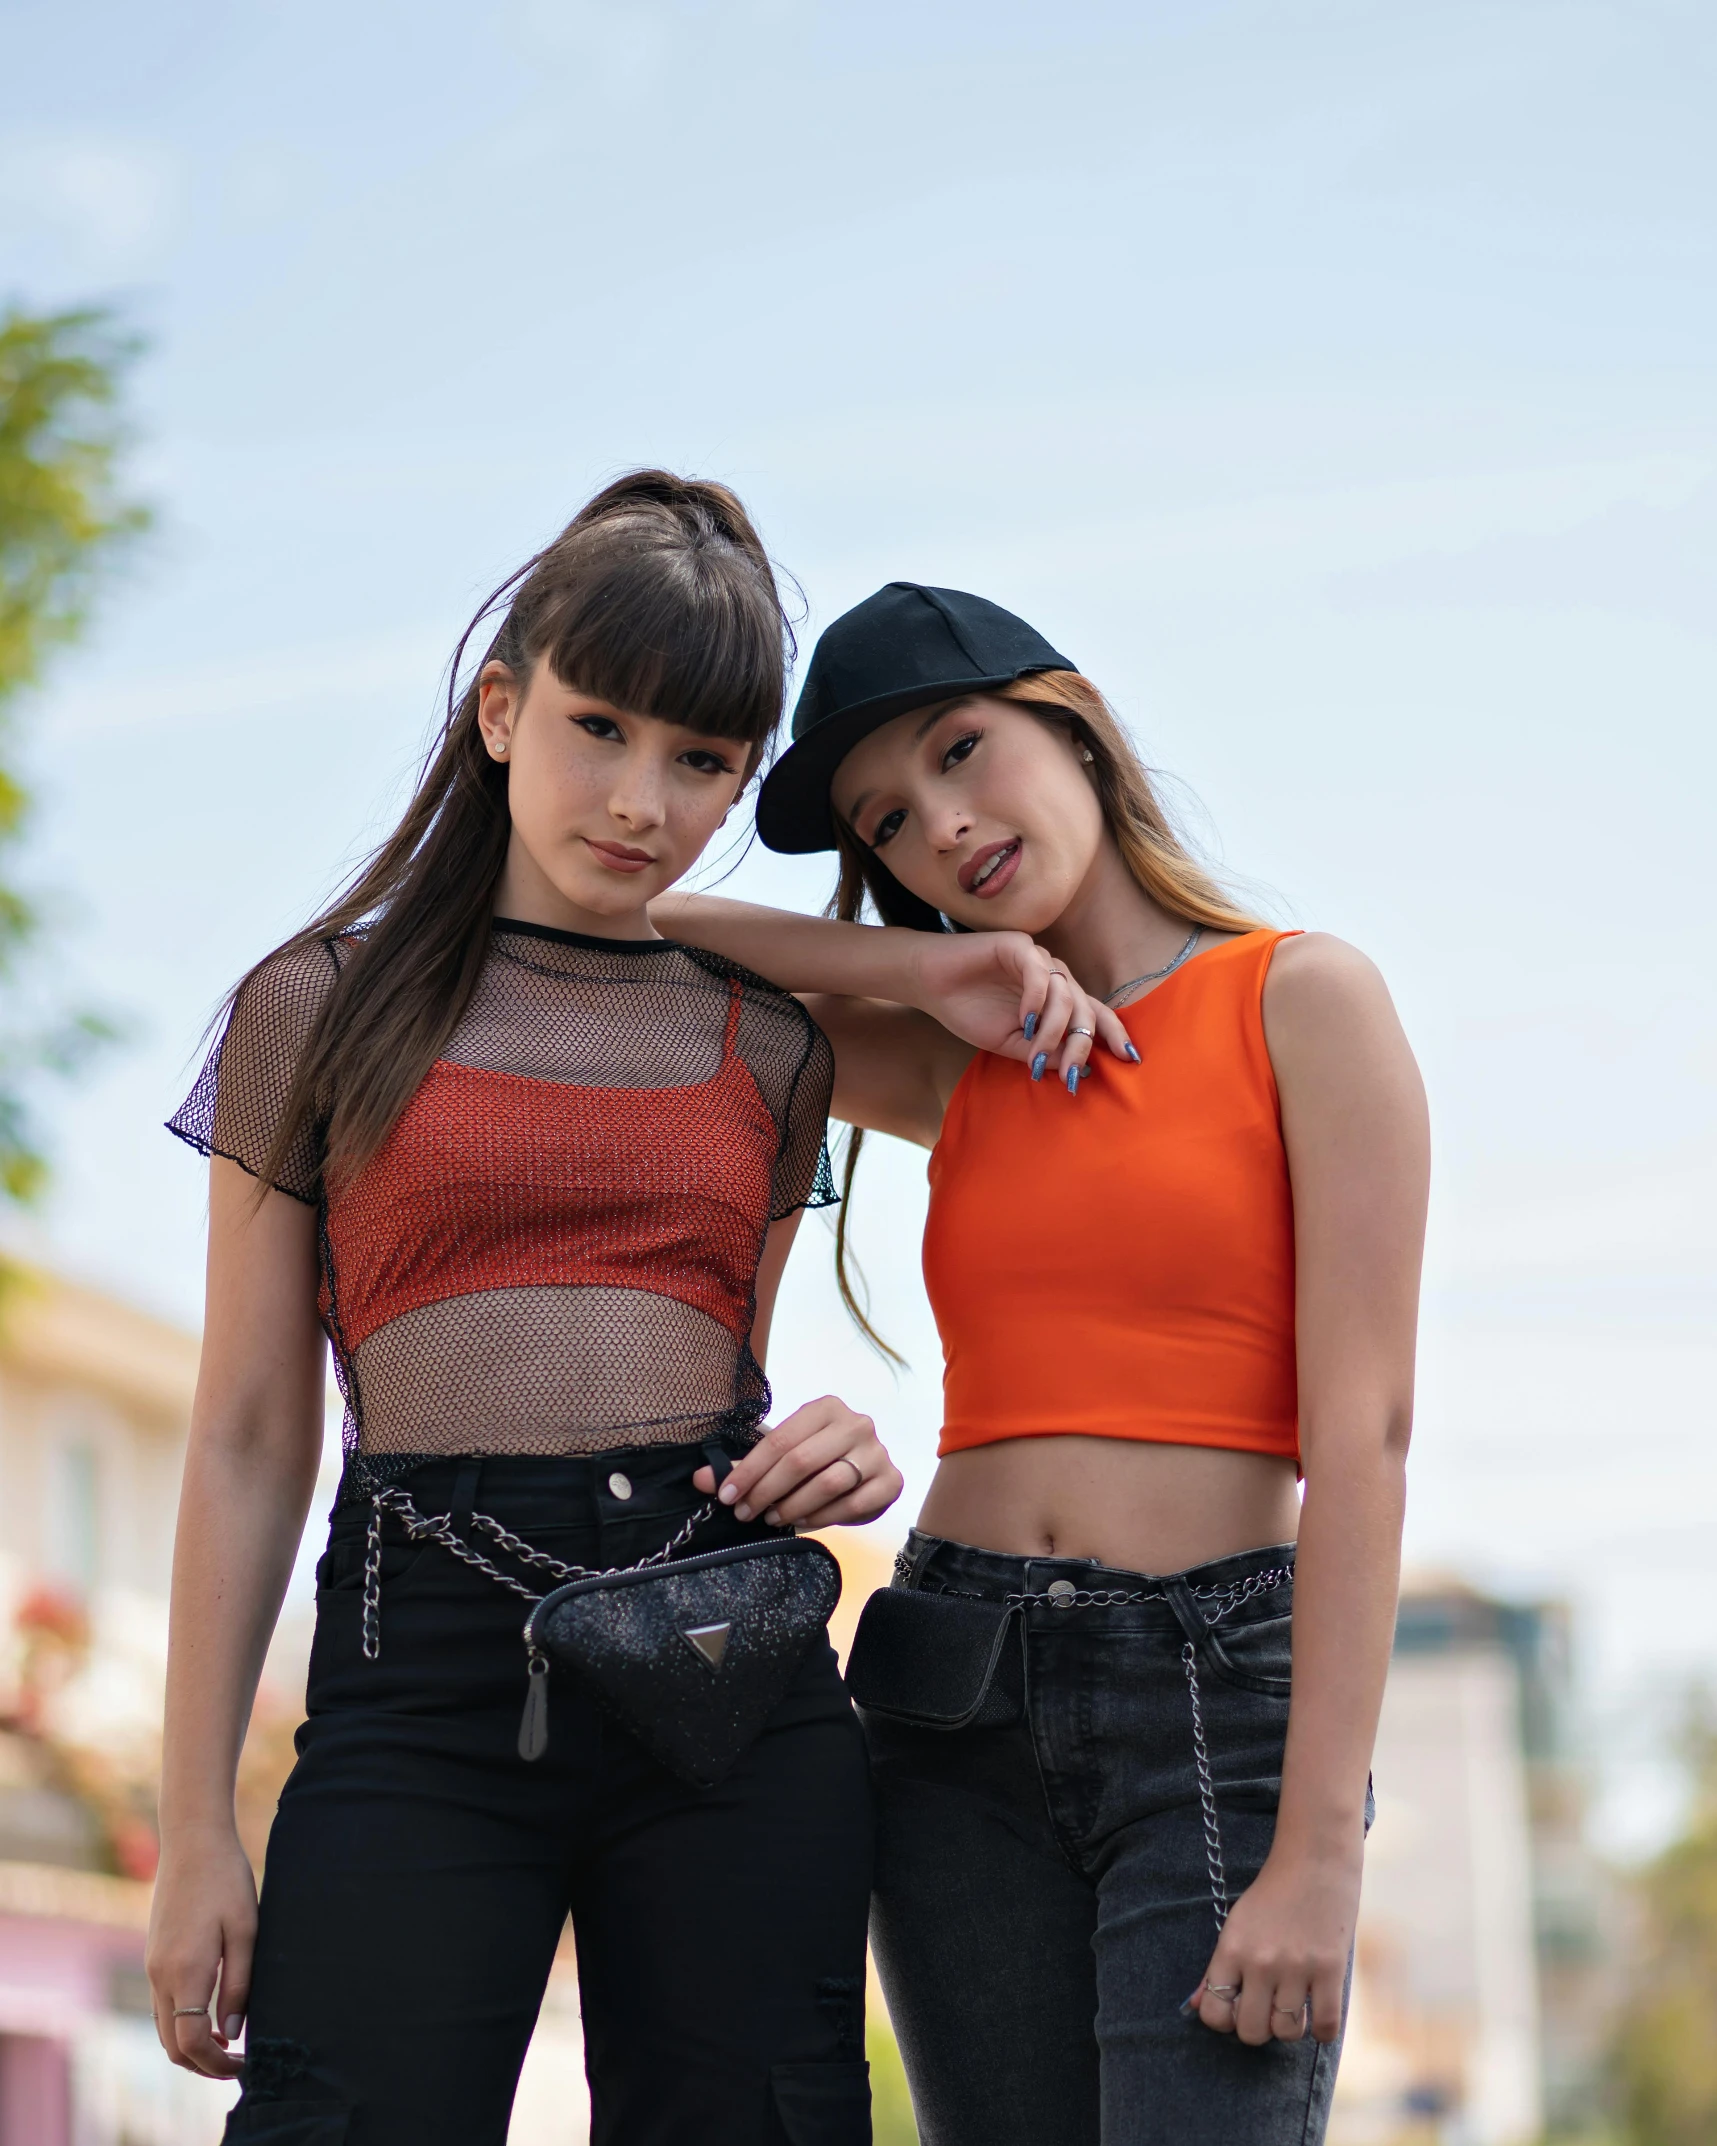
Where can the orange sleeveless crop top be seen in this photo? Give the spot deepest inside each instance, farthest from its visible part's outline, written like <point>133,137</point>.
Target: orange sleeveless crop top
<point>1121,1263</point>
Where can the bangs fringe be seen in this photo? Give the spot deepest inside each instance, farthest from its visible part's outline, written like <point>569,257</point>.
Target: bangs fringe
<point>660,633</point>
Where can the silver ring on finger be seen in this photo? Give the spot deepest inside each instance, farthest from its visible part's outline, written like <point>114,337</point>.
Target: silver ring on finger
<point>1281,2011</point>
<point>1229,1992</point>
<point>847,1461</point>
<point>1080,1032</point>
<point>190,2011</point>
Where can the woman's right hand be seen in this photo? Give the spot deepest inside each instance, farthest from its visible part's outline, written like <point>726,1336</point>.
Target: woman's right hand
<point>1001,991</point>
<point>202,1930</point>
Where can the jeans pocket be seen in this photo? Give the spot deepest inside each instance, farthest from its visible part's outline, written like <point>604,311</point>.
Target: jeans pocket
<point>340,1568</point>
<point>823,2104</point>
<point>1257,1657</point>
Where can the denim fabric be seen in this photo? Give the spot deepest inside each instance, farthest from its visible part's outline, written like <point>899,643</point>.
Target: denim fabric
<point>1047,1887</point>
<point>420,1873</point>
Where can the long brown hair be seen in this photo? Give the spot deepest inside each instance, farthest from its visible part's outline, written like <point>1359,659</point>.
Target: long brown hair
<point>1155,854</point>
<point>657,597</point>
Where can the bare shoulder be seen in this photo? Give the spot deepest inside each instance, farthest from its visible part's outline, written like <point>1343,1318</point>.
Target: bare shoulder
<point>1332,1029</point>
<point>1329,1021</point>
<point>1318,982</point>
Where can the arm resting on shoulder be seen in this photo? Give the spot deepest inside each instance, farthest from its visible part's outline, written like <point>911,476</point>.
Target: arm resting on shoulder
<point>905,1009</point>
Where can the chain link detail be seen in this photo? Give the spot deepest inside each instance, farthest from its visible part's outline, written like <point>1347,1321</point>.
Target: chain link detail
<point>1206,1792</point>
<point>1222,1601</point>
<point>1237,1592</point>
<point>373,1584</point>
<point>439,1528</point>
<point>1084,1598</point>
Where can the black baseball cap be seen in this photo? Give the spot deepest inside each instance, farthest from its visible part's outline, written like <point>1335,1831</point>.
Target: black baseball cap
<point>902,648</point>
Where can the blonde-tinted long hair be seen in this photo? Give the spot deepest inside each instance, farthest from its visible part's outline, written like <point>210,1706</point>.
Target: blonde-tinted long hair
<point>1153,851</point>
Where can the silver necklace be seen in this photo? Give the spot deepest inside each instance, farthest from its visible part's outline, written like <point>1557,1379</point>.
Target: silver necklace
<point>1155,976</point>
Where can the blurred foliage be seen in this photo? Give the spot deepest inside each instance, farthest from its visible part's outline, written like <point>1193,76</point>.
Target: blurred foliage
<point>1666,2056</point>
<point>63,523</point>
<point>891,2118</point>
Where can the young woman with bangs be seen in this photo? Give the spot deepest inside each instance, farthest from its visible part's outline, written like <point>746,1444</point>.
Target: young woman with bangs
<point>1122,1696</point>
<point>532,1171</point>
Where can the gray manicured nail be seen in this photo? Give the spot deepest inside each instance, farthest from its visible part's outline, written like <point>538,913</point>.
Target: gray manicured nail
<point>232,2026</point>
<point>1038,1064</point>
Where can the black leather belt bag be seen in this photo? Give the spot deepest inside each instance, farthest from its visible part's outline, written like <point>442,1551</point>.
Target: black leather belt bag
<point>938,1661</point>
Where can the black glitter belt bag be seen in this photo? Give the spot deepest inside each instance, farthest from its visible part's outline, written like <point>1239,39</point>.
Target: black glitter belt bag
<point>693,1655</point>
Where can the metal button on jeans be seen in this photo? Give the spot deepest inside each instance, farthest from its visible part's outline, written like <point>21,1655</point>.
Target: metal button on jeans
<point>1061,1593</point>
<point>620,1486</point>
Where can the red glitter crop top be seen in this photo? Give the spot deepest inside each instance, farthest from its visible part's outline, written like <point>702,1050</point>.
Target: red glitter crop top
<point>555,1250</point>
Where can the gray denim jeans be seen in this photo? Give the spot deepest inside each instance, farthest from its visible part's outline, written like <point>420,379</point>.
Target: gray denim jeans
<point>1051,1881</point>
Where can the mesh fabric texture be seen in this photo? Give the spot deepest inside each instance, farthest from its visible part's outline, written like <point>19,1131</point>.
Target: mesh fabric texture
<point>555,1250</point>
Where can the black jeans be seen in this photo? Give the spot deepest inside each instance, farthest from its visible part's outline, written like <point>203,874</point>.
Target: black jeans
<point>1049,1886</point>
<point>420,1873</point>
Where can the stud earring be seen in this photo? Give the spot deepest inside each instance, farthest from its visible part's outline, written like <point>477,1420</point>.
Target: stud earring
<point>1086,754</point>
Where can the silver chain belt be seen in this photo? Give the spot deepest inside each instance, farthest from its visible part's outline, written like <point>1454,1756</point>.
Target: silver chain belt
<point>438,1527</point>
<point>1214,1603</point>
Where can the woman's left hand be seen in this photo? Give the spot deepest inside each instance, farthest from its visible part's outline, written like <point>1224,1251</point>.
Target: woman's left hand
<point>823,1467</point>
<point>1285,1948</point>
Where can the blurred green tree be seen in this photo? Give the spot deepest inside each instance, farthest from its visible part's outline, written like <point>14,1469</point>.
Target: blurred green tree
<point>1667,2049</point>
<point>63,523</point>
<point>892,2122</point>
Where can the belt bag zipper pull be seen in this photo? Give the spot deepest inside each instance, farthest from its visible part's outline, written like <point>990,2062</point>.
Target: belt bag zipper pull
<point>533,1724</point>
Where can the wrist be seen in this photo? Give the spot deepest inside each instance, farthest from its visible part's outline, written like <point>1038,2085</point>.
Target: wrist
<point>917,988</point>
<point>1333,1837</point>
<point>197,1830</point>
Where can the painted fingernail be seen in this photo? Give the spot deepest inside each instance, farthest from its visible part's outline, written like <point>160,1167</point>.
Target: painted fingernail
<point>1038,1064</point>
<point>1073,1080</point>
<point>728,1492</point>
<point>742,1512</point>
<point>1133,1052</point>
<point>233,2026</point>
<point>1030,1026</point>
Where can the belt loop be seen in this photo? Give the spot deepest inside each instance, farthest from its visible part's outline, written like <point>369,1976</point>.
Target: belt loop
<point>1188,1615</point>
<point>464,1494</point>
<point>920,1549</point>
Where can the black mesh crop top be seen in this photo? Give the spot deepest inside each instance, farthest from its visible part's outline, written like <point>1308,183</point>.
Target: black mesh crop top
<point>556,1248</point>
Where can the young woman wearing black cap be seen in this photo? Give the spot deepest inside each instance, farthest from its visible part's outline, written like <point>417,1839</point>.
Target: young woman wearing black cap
<point>1122,1696</point>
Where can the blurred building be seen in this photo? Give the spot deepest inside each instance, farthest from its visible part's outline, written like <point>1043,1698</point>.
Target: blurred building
<point>1482,1991</point>
<point>95,1403</point>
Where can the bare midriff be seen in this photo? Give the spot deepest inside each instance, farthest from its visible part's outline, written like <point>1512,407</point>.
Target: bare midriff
<point>1137,1506</point>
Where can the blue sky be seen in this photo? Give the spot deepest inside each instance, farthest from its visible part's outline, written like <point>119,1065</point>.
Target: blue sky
<point>1333,381</point>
